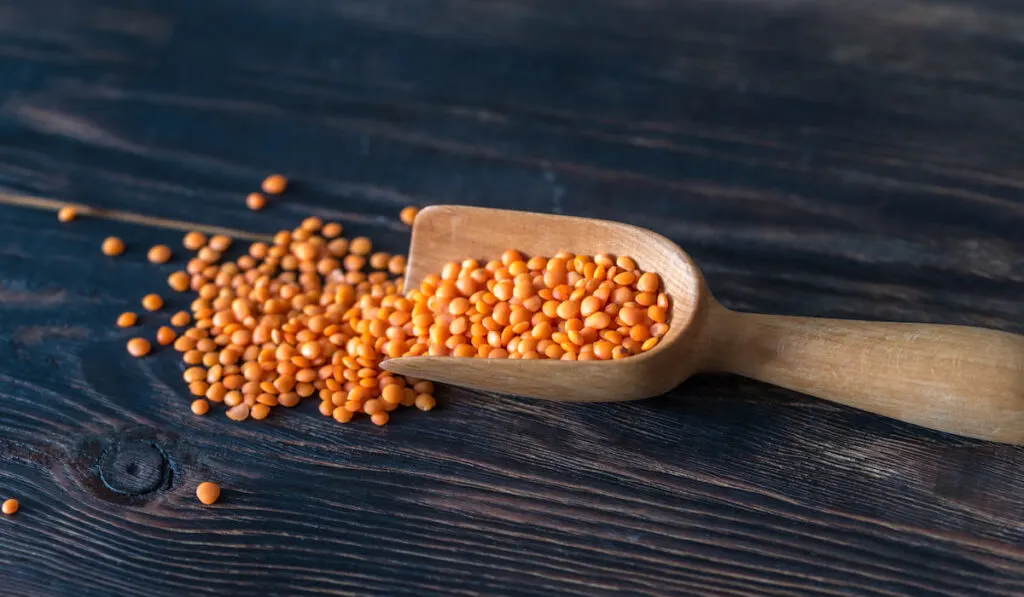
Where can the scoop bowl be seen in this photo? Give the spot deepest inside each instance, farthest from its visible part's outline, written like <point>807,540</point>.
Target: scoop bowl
<point>444,233</point>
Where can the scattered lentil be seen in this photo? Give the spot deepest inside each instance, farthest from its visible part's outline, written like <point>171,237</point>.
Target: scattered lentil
<point>256,201</point>
<point>179,281</point>
<point>159,254</point>
<point>220,243</point>
<point>112,246</point>
<point>67,214</point>
<point>152,302</point>
<point>208,492</point>
<point>275,184</point>
<point>194,241</point>
<point>10,507</point>
<point>138,347</point>
<point>408,215</point>
<point>200,407</point>
<point>165,335</point>
<point>127,319</point>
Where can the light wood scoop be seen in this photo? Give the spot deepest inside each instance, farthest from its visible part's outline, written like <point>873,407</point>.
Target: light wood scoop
<point>963,380</point>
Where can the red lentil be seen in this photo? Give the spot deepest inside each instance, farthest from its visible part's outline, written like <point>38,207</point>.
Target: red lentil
<point>275,184</point>
<point>159,254</point>
<point>112,246</point>
<point>165,335</point>
<point>67,214</point>
<point>256,201</point>
<point>139,347</point>
<point>193,241</point>
<point>408,215</point>
<point>208,492</point>
<point>127,319</point>
<point>152,302</point>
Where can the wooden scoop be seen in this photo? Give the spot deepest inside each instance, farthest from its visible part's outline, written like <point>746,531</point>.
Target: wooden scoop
<point>963,380</point>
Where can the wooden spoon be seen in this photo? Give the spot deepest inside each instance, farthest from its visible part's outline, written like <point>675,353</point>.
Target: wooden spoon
<point>963,380</point>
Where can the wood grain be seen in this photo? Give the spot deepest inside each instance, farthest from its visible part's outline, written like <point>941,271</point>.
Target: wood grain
<point>834,159</point>
<point>957,379</point>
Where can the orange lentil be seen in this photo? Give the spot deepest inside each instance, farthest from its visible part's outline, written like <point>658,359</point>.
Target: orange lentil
<point>181,319</point>
<point>127,319</point>
<point>159,254</point>
<point>648,282</point>
<point>165,335</point>
<point>256,201</point>
<point>275,184</point>
<point>208,492</point>
<point>379,260</point>
<point>220,243</point>
<point>67,214</point>
<point>178,281</point>
<point>360,246</point>
<point>657,314</point>
<point>425,402</point>
<point>259,411</point>
<point>331,230</point>
<point>208,255</point>
<point>216,392</point>
<point>10,507</point>
<point>234,398</point>
<point>193,241</point>
<point>408,215</point>
<point>200,407</point>
<point>112,246</point>
<point>152,302</point>
<point>138,347</point>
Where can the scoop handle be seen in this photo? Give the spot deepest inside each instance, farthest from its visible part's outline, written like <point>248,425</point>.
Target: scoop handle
<point>963,380</point>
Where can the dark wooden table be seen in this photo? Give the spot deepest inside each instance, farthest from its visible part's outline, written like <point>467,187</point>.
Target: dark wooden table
<point>844,159</point>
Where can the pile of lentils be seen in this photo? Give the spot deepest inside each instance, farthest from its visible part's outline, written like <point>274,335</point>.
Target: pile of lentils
<point>315,313</point>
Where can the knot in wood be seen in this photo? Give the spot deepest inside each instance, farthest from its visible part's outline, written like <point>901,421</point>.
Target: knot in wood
<point>134,467</point>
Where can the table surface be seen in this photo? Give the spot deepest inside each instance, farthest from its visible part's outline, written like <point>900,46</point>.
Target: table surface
<point>841,159</point>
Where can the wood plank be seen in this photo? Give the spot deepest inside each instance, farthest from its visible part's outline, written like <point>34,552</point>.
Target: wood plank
<point>834,159</point>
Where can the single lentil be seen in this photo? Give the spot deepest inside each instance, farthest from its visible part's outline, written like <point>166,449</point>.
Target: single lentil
<point>408,215</point>
<point>256,201</point>
<point>139,347</point>
<point>67,214</point>
<point>220,243</point>
<point>165,335</point>
<point>127,319</point>
<point>159,254</point>
<point>152,302</point>
<point>179,281</point>
<point>181,319</point>
<point>275,184</point>
<point>208,492</point>
<point>10,507</point>
<point>112,246</point>
<point>193,241</point>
